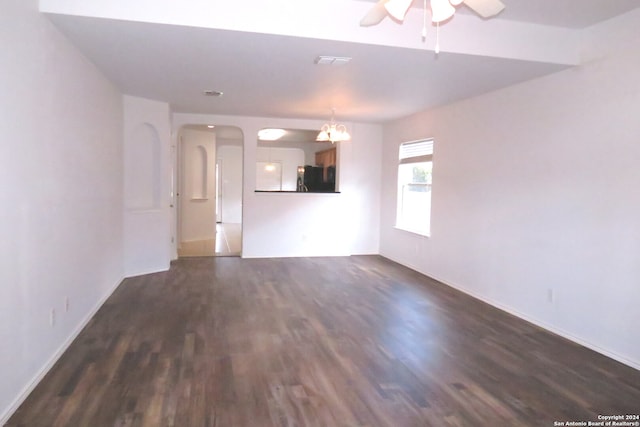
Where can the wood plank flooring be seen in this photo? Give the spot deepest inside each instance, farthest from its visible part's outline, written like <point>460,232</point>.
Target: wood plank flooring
<point>354,341</point>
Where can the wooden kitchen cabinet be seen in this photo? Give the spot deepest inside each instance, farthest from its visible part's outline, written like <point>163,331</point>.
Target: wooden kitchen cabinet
<point>326,158</point>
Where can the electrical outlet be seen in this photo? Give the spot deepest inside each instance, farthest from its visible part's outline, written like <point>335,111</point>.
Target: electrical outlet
<point>52,317</point>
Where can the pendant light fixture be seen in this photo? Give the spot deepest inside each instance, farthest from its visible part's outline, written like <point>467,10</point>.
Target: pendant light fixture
<point>332,131</point>
<point>270,166</point>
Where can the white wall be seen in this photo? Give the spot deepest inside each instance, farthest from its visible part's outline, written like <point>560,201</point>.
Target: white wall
<point>146,213</point>
<point>60,196</point>
<point>282,225</point>
<point>230,160</point>
<point>360,181</point>
<point>198,186</point>
<point>536,200</point>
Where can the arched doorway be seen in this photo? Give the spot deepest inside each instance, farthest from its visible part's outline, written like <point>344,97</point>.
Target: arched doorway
<point>209,191</point>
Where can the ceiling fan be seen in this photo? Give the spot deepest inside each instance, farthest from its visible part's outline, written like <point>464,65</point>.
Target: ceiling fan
<point>441,10</point>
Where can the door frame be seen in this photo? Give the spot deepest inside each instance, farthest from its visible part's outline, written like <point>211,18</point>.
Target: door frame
<point>177,182</point>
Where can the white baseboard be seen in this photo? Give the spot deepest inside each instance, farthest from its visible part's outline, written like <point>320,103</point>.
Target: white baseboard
<point>8,412</point>
<point>147,271</point>
<point>287,255</point>
<point>551,328</point>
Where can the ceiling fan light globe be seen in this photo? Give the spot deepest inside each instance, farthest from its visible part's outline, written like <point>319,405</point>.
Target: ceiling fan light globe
<point>398,8</point>
<point>441,10</point>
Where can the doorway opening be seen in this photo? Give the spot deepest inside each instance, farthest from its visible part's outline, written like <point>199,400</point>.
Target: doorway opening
<point>210,181</point>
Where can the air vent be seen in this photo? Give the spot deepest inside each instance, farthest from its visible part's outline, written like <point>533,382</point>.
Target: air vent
<point>332,60</point>
<point>212,93</point>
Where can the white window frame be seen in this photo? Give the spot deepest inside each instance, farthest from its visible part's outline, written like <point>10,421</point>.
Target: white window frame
<point>411,152</point>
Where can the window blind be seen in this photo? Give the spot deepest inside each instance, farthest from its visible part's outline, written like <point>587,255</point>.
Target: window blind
<point>416,151</point>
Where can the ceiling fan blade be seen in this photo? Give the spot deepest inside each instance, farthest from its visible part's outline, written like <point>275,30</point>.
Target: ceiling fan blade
<point>485,8</point>
<point>398,8</point>
<point>375,15</point>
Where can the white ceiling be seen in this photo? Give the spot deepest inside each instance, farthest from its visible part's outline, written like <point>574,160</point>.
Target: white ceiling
<point>273,75</point>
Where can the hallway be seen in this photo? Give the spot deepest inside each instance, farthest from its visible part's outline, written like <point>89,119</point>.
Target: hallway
<point>228,242</point>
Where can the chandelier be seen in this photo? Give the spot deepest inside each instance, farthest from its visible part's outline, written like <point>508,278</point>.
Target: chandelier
<point>333,131</point>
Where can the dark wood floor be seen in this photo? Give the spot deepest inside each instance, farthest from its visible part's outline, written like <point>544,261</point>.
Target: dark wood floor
<point>357,341</point>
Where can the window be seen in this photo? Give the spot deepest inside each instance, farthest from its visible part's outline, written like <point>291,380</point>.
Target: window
<point>414,186</point>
